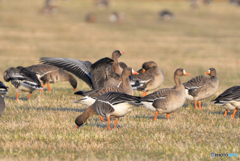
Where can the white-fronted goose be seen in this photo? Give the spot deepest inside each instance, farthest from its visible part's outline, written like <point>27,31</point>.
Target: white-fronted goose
<point>111,104</point>
<point>3,89</point>
<point>92,74</point>
<point>51,74</point>
<point>230,100</point>
<point>150,77</point>
<point>124,87</point>
<point>167,100</point>
<point>201,87</point>
<point>22,79</point>
<point>2,106</point>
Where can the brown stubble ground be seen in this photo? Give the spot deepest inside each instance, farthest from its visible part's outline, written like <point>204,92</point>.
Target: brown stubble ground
<point>195,40</point>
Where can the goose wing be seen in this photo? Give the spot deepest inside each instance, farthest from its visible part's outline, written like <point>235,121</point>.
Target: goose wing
<point>231,94</point>
<point>78,67</point>
<point>42,69</point>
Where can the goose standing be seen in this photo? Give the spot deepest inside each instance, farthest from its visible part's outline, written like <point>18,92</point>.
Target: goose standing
<point>167,100</point>
<point>230,100</point>
<point>22,79</point>
<point>51,74</point>
<point>150,77</point>
<point>201,87</point>
<point>111,104</point>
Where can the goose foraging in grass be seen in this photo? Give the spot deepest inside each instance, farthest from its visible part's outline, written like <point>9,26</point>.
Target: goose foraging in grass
<point>201,87</point>
<point>229,99</point>
<point>22,79</point>
<point>51,74</point>
<point>111,104</point>
<point>167,100</point>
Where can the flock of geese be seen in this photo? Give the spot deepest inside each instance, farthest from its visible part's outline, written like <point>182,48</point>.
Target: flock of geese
<point>112,84</point>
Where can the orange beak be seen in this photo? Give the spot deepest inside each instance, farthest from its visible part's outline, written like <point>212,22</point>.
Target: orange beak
<point>76,127</point>
<point>208,72</point>
<point>186,73</point>
<point>143,70</point>
<point>134,72</point>
<point>122,52</point>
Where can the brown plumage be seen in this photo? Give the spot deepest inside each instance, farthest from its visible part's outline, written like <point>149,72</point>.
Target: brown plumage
<point>167,100</point>
<point>150,77</point>
<point>201,87</point>
<point>51,74</point>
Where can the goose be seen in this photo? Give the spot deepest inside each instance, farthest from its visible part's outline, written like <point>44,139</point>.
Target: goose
<point>201,87</point>
<point>150,77</point>
<point>166,15</point>
<point>229,99</point>
<point>51,74</point>
<point>88,72</point>
<point>167,100</point>
<point>111,104</point>
<point>2,106</point>
<point>124,87</point>
<point>116,17</point>
<point>90,18</point>
<point>22,79</point>
<point>3,89</point>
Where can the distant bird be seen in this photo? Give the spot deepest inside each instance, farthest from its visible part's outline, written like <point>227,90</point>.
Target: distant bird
<point>166,15</point>
<point>90,18</point>
<point>3,89</point>
<point>51,74</point>
<point>102,4</point>
<point>48,8</point>
<point>167,100</point>
<point>22,79</point>
<point>229,99</point>
<point>2,106</point>
<point>201,87</point>
<point>150,77</point>
<point>105,72</point>
<point>117,17</point>
<point>111,104</point>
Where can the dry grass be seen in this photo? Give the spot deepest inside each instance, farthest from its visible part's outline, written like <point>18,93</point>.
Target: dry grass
<point>195,40</point>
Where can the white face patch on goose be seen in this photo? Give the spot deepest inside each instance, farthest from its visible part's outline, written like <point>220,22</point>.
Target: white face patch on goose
<point>209,71</point>
<point>184,71</point>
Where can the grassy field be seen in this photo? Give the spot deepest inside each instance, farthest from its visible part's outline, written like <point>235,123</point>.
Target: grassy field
<point>195,40</point>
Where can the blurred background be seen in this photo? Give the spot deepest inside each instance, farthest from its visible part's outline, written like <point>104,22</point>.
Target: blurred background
<point>193,34</point>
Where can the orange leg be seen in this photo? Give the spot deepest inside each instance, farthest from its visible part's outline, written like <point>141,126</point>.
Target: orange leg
<point>17,96</point>
<point>199,105</point>
<point>144,94</point>
<point>195,103</point>
<point>0,118</point>
<point>48,87</point>
<point>155,117</point>
<point>101,118</point>
<point>42,86</point>
<point>108,119</point>
<point>225,114</point>
<point>115,123</point>
<point>76,127</point>
<point>29,96</point>
<point>233,115</point>
<point>75,89</point>
<point>168,116</point>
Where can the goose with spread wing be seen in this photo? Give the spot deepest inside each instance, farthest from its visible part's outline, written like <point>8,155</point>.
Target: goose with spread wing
<point>201,87</point>
<point>51,74</point>
<point>85,69</point>
<point>150,77</point>
<point>230,100</point>
<point>110,105</point>
<point>22,79</point>
<point>167,100</point>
